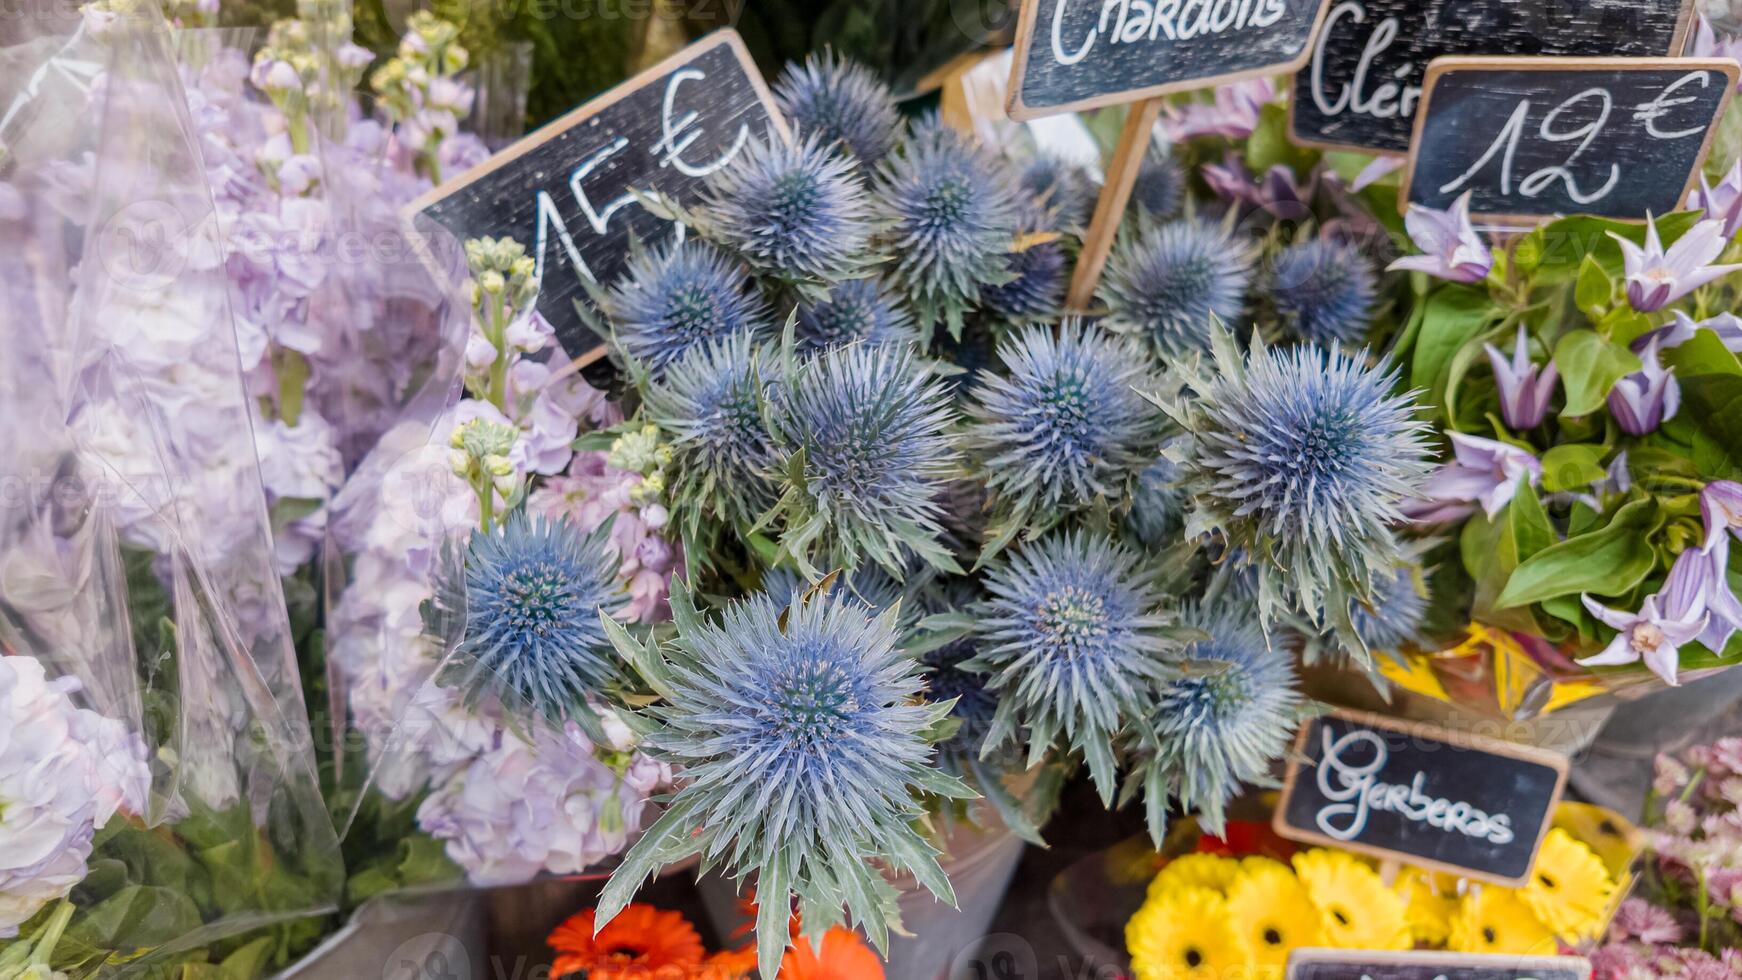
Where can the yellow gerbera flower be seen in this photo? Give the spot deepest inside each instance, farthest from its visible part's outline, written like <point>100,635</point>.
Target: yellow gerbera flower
<point>1185,935</point>
<point>1496,920</point>
<point>1569,888</point>
<point>1210,871</point>
<point>1356,910</point>
<point>1432,900</point>
<point>1610,835</point>
<point>1271,911</point>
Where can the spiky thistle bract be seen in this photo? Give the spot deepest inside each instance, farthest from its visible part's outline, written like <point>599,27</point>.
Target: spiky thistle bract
<point>805,748</point>
<point>856,311</point>
<point>1062,427</point>
<point>842,103</point>
<point>1160,186</point>
<point>867,451</point>
<point>951,210</point>
<point>713,403</point>
<point>672,299</point>
<point>1039,271</point>
<point>1323,292</point>
<point>1220,725</point>
<point>1157,510</point>
<point>1060,187</point>
<point>533,594</point>
<point>1072,637</point>
<point>1299,460</point>
<point>794,212</point>
<point>1394,614</point>
<point>1173,281</point>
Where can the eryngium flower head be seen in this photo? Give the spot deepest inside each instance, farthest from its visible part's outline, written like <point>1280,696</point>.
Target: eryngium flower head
<point>1171,282</point>
<point>952,213</point>
<point>712,402</point>
<point>1323,291</point>
<point>841,102</point>
<point>1072,639</point>
<point>1392,616</point>
<point>1062,188</point>
<point>1157,505</point>
<point>1220,724</point>
<point>1300,460</point>
<point>792,211</point>
<point>534,592</point>
<point>1160,186</point>
<point>857,311</point>
<point>673,299</point>
<point>865,431</point>
<point>1064,426</point>
<point>1037,289</point>
<point>805,745</point>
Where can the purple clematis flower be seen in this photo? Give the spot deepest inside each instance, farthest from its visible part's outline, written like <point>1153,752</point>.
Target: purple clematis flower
<point>1647,398</point>
<point>1524,388</point>
<point>1708,43</point>
<point>1234,114</point>
<point>1721,507</point>
<point>1727,326</point>
<point>1666,622</point>
<point>1725,610</point>
<point>1722,203</point>
<point>1485,472</point>
<point>1278,191</point>
<point>1451,248</point>
<point>1656,278</point>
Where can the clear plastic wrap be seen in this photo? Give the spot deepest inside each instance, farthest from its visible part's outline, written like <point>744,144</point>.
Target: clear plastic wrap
<point>136,556</point>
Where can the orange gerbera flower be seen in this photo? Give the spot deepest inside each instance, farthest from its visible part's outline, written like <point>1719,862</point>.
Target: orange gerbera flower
<point>641,943</point>
<point>730,964</point>
<point>843,956</point>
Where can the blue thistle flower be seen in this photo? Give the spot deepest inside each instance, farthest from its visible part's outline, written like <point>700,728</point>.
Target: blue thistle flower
<point>1391,617</point>
<point>1323,292</point>
<point>1300,460</point>
<point>712,402</point>
<point>1172,281</point>
<point>1219,725</point>
<point>952,215</point>
<point>870,427</point>
<point>841,102</point>
<point>805,747</point>
<point>793,212</point>
<point>1157,512</point>
<point>670,300</point>
<point>1160,187</point>
<point>857,311</point>
<point>534,591</point>
<point>1072,640</point>
<point>1036,290</point>
<point>1064,427</point>
<point>1062,188</point>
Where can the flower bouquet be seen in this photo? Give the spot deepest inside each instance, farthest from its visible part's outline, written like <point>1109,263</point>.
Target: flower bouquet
<point>159,802</point>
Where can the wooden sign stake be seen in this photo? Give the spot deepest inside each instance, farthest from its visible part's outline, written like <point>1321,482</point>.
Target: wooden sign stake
<point>1122,171</point>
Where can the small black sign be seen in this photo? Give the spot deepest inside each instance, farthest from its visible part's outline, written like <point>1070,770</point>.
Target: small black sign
<point>1535,137</point>
<point>1078,54</point>
<point>1473,806</point>
<point>1350,964</point>
<point>1363,82</point>
<point>567,191</point>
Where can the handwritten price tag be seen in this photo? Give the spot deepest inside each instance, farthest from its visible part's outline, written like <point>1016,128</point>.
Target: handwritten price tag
<point>1347,964</point>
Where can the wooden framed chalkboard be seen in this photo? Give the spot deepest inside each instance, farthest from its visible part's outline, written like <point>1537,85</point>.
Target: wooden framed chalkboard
<point>1080,54</point>
<point>1362,84</point>
<point>1532,138</point>
<point>567,192</point>
<point>1355,964</point>
<point>1436,799</point>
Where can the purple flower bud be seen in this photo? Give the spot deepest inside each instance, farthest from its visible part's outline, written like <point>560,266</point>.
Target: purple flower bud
<point>1486,472</point>
<point>1657,278</point>
<point>1450,247</point>
<point>1525,389</point>
<point>1647,398</point>
<point>1722,203</point>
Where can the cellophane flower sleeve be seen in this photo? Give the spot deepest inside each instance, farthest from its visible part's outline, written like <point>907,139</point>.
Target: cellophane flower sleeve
<point>159,803</point>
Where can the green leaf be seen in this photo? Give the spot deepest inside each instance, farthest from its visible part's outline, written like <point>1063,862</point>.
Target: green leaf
<point>1595,288</point>
<point>1589,367</point>
<point>1608,562</point>
<point>1573,466</point>
<point>1454,316</point>
<point>1714,403</point>
<point>1703,354</point>
<point>135,917</point>
<point>1528,530</point>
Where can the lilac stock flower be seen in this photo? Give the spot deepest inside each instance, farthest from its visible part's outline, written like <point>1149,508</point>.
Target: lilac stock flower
<point>1234,114</point>
<point>1723,202</point>
<point>1485,472</point>
<point>1647,398</point>
<point>1666,622</point>
<point>1525,389</point>
<point>1451,248</point>
<point>1657,278</point>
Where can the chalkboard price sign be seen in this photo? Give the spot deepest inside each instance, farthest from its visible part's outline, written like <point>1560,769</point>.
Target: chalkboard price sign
<point>1079,54</point>
<point>1362,84</point>
<point>1350,964</point>
<point>1435,799</point>
<point>1534,137</point>
<point>567,192</point>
